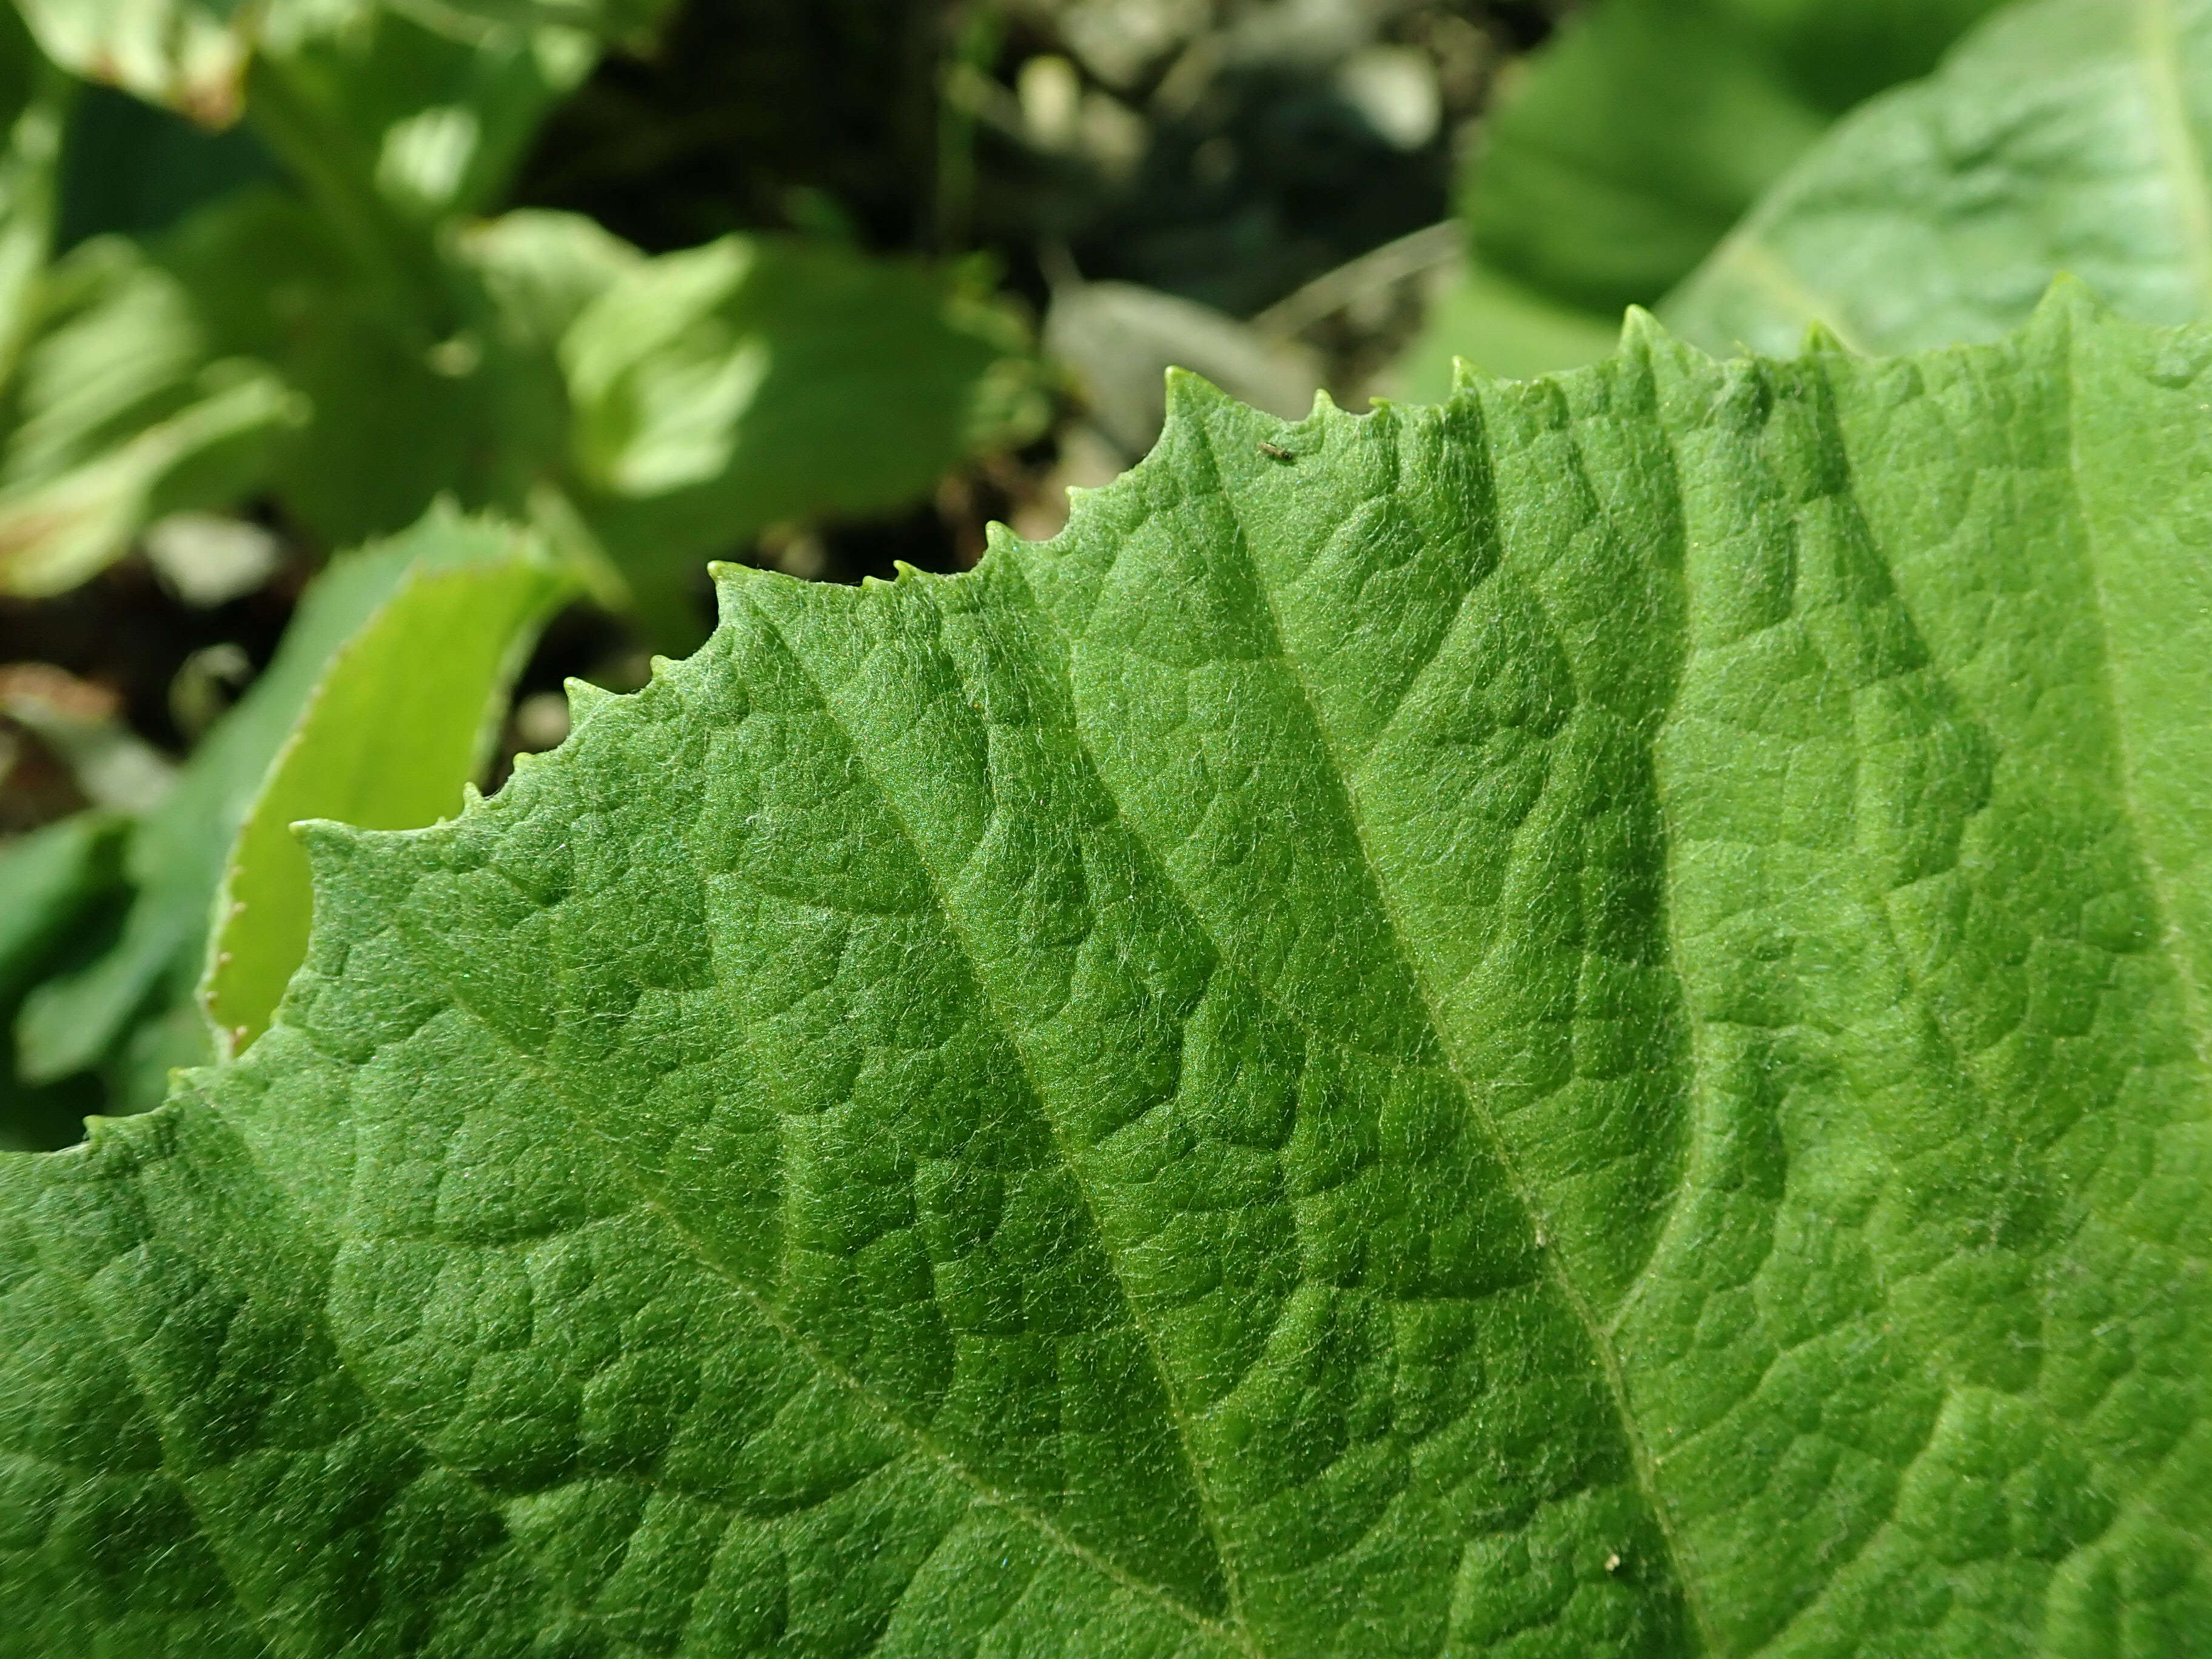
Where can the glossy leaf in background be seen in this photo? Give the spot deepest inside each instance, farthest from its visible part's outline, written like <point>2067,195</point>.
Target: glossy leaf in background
<point>59,890</point>
<point>401,721</point>
<point>720,390</point>
<point>187,55</point>
<point>353,340</point>
<point>1634,141</point>
<point>130,1011</point>
<point>2064,136</point>
<point>192,56</point>
<point>1568,1025</point>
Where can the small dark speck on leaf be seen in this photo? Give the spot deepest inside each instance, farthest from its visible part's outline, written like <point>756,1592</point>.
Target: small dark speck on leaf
<point>1276,452</point>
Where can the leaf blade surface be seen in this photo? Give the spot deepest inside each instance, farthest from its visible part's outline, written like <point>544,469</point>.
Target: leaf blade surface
<point>1559,1025</point>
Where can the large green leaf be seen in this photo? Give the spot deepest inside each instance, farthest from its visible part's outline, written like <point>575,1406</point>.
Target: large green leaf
<point>400,723</point>
<point>2065,135</point>
<point>1630,144</point>
<point>1571,1025</point>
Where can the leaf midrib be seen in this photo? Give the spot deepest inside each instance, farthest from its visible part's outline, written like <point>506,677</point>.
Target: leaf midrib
<point>1552,1254</point>
<point>2196,1014</point>
<point>1004,1022</point>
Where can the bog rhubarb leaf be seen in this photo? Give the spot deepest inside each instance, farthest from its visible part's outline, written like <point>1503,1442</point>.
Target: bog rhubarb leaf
<point>1570,1024</point>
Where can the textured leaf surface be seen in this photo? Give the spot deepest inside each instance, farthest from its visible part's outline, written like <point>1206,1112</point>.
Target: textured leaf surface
<point>2063,136</point>
<point>400,723</point>
<point>1568,1025</point>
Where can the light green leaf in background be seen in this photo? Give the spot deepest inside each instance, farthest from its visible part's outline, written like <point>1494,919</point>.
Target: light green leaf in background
<point>426,123</point>
<point>401,721</point>
<point>111,408</point>
<point>121,410</point>
<point>59,887</point>
<point>192,56</point>
<point>1634,141</point>
<point>178,852</point>
<point>1566,1026</point>
<point>543,268</point>
<point>188,55</point>
<point>631,23</point>
<point>720,390</point>
<point>351,343</point>
<point>33,105</point>
<point>2063,136</point>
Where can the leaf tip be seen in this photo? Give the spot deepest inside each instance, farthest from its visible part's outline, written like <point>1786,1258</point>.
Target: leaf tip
<point>1823,340</point>
<point>1190,394</point>
<point>2067,301</point>
<point>585,700</point>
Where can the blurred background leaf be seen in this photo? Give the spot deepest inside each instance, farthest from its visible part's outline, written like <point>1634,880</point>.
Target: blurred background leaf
<point>401,722</point>
<point>334,724</point>
<point>2063,136</point>
<point>1628,147</point>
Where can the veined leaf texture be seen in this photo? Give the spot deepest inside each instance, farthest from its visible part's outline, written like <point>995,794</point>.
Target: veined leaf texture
<point>1573,1023</point>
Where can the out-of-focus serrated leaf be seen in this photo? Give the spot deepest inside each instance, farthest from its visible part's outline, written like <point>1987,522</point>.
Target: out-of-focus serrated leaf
<point>177,852</point>
<point>400,722</point>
